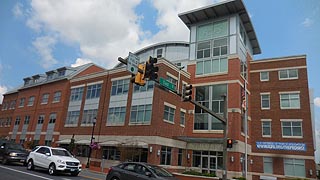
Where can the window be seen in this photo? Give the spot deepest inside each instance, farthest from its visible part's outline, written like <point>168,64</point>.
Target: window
<point>72,117</point>
<point>52,118</point>
<point>31,101</point>
<point>50,76</point>
<point>203,50</point>
<point>243,36</point>
<point>22,100</point>
<point>265,101</point>
<point>111,153</point>
<point>17,122</point>
<point>93,91</point>
<point>209,96</point>
<point>264,76</point>
<point>13,104</point>
<point>159,53</point>
<point>61,72</point>
<point>41,119</point>
<point>88,116</point>
<point>45,98</point>
<point>220,47</point>
<point>208,161</point>
<point>116,115</point>
<point>182,118</point>
<point>243,69</point>
<point>267,165</point>
<point>76,94</point>
<point>165,158</point>
<point>294,167</point>
<point>180,155</point>
<point>210,66</point>
<point>141,114</point>
<point>266,128</point>
<point>120,87</point>
<point>26,119</point>
<point>291,128</point>
<point>147,87</point>
<point>169,113</point>
<point>57,96</point>
<point>290,101</point>
<point>288,74</point>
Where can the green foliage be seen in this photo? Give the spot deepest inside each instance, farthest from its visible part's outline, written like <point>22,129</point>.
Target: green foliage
<point>239,178</point>
<point>196,173</point>
<point>72,145</point>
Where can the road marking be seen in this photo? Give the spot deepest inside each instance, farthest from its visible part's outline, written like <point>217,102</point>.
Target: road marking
<point>26,173</point>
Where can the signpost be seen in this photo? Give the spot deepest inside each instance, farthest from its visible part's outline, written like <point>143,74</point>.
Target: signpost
<point>167,84</point>
<point>132,63</point>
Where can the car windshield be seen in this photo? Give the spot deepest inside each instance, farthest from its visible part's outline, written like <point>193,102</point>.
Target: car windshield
<point>60,152</point>
<point>160,171</point>
<point>15,146</point>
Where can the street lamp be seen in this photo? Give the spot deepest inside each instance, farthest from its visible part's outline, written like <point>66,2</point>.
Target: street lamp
<point>90,149</point>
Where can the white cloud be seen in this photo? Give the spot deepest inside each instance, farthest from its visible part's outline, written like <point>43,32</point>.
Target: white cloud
<point>307,22</point>
<point>44,47</point>
<point>80,62</point>
<point>105,30</point>
<point>317,101</point>
<point>17,10</point>
<point>3,89</point>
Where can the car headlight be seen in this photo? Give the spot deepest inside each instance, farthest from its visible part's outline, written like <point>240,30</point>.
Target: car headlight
<point>61,161</point>
<point>13,154</point>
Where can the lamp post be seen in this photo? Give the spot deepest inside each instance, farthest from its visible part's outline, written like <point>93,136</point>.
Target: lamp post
<point>90,149</point>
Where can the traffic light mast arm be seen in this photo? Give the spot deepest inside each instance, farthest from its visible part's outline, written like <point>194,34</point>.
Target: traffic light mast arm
<point>208,111</point>
<point>124,61</point>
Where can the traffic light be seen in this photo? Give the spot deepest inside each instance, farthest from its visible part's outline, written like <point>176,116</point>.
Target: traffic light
<point>139,78</point>
<point>229,143</point>
<point>151,71</point>
<point>186,92</point>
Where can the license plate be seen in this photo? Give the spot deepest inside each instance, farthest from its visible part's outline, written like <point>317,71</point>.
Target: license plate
<point>72,170</point>
<point>21,160</point>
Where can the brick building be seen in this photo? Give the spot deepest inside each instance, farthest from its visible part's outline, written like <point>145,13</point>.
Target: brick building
<point>148,123</point>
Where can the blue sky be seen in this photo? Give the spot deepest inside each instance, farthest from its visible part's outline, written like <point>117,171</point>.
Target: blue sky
<point>40,35</point>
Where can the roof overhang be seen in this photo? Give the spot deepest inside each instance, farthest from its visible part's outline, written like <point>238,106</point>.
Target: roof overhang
<point>222,9</point>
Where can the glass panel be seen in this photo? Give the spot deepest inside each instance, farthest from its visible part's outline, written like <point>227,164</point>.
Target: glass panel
<point>220,29</point>
<point>223,64</point>
<point>204,162</point>
<point>283,74</point>
<point>293,73</point>
<point>215,66</point>
<point>207,66</point>
<point>286,131</point>
<point>204,32</point>
<point>199,69</point>
<point>296,131</point>
<point>213,164</point>
<point>201,122</point>
<point>202,93</point>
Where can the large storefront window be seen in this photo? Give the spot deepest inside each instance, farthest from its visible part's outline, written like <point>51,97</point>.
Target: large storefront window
<point>207,161</point>
<point>209,96</point>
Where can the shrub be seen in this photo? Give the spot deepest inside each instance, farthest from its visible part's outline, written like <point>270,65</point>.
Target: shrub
<point>196,173</point>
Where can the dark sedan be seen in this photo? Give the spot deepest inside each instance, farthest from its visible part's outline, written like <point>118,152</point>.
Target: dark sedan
<point>12,152</point>
<point>138,171</point>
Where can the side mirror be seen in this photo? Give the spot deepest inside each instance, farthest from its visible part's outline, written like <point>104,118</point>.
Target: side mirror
<point>48,154</point>
<point>148,174</point>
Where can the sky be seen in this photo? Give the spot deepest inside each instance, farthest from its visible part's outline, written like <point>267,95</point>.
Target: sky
<point>41,35</point>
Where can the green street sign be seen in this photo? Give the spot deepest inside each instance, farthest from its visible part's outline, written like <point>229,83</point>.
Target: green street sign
<point>167,84</point>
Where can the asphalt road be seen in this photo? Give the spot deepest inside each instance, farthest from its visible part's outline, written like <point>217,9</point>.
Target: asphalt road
<point>19,172</point>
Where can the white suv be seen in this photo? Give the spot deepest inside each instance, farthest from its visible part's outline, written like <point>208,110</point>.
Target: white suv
<point>53,159</point>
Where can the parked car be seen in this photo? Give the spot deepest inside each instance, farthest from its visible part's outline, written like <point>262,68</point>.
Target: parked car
<point>12,152</point>
<point>138,171</point>
<point>54,160</point>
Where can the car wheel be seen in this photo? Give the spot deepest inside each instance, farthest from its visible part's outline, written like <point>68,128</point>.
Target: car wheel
<point>52,169</point>
<point>114,178</point>
<point>75,174</point>
<point>30,165</point>
<point>4,161</point>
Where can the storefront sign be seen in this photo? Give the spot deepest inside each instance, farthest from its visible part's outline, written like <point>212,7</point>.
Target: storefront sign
<point>281,146</point>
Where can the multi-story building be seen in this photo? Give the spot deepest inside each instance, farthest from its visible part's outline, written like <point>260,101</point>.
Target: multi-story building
<point>267,105</point>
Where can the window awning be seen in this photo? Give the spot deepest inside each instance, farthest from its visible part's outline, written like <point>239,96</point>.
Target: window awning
<point>64,141</point>
<point>110,143</point>
<point>83,142</point>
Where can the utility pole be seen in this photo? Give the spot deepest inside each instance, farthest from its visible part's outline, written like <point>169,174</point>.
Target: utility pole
<point>225,137</point>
